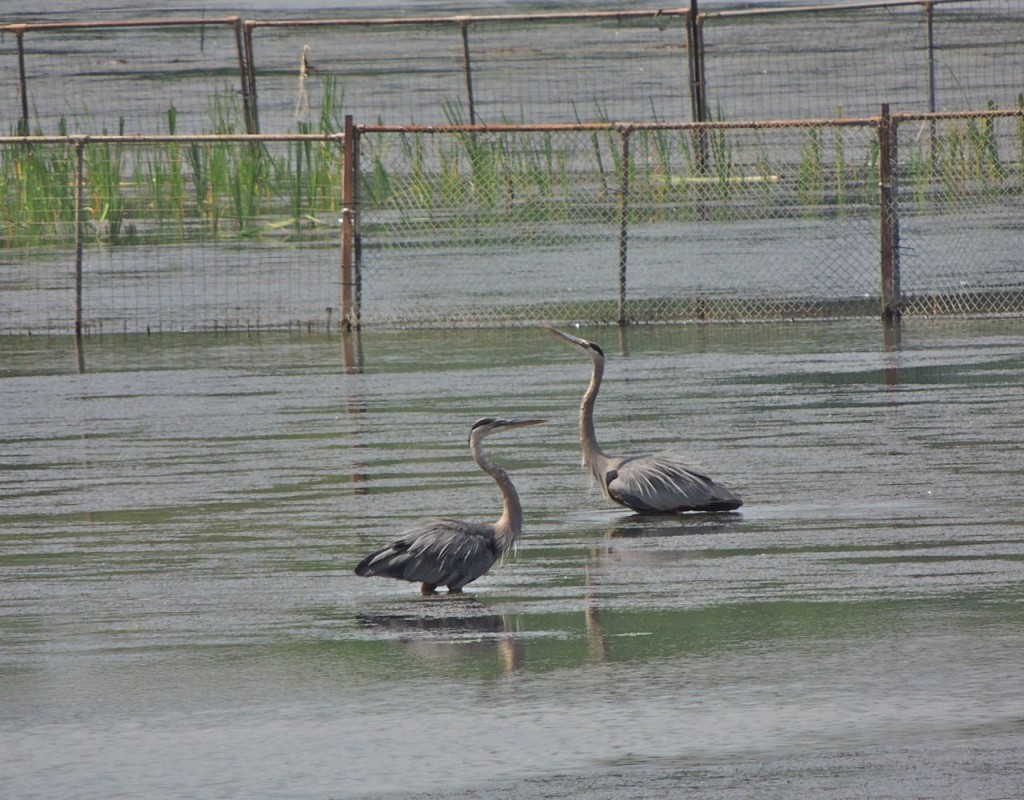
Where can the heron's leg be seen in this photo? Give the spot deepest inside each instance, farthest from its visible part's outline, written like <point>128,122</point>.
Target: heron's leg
<point>454,590</point>
<point>428,589</point>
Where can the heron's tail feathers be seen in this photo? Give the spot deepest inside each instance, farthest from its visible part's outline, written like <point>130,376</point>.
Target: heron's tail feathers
<point>392,561</point>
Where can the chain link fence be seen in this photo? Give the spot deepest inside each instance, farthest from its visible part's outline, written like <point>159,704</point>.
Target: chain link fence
<point>499,69</point>
<point>801,63</point>
<point>122,77</point>
<point>475,226</point>
<point>122,234</point>
<point>691,222</point>
<point>620,224</point>
<point>961,214</point>
<point>162,211</point>
<point>229,75</point>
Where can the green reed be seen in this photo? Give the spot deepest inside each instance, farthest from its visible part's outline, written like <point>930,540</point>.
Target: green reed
<point>37,193</point>
<point>161,183</point>
<point>107,199</point>
<point>197,190</point>
<point>314,170</point>
<point>1020,129</point>
<point>484,157</point>
<point>811,172</point>
<point>954,159</point>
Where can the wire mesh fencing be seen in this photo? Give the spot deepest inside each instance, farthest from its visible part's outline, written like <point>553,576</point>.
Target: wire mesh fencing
<point>619,223</point>
<point>122,77</point>
<point>228,75</point>
<point>961,213</point>
<point>641,223</point>
<point>499,69</point>
<point>800,63</point>
<point>514,225</point>
<point>169,234</point>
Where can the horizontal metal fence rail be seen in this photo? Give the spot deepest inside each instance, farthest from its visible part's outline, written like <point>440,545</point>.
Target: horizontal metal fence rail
<point>896,214</point>
<point>230,75</point>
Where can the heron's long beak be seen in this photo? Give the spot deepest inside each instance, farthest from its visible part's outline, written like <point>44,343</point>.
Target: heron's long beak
<point>571,339</point>
<point>520,423</point>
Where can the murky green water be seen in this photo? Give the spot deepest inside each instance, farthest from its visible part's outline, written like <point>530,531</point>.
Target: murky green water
<point>179,618</point>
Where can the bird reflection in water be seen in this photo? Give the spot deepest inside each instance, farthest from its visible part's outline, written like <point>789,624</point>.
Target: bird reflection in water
<point>609,566</point>
<point>638,526</point>
<point>635,526</point>
<point>465,627</point>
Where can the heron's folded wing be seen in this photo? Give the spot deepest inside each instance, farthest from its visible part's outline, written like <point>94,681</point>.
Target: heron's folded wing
<point>439,551</point>
<point>663,482</point>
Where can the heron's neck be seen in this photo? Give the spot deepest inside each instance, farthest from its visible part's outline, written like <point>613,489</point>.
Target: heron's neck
<point>510,526</point>
<point>588,438</point>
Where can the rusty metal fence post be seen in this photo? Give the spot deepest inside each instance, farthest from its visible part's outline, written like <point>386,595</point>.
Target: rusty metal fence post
<point>467,67</point>
<point>80,144</point>
<point>247,70</point>
<point>351,281</point>
<point>79,228</point>
<point>698,84</point>
<point>695,61</point>
<point>888,161</point>
<point>22,128</point>
<point>624,222</point>
<point>929,32</point>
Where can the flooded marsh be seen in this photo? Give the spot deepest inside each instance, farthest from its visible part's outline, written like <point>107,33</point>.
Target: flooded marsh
<point>179,523</point>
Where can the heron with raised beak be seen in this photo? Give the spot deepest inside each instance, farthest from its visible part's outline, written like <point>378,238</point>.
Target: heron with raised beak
<point>659,483</point>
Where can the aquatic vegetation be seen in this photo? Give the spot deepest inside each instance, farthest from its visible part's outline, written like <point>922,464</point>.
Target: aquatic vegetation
<point>171,189</point>
<point>470,181</point>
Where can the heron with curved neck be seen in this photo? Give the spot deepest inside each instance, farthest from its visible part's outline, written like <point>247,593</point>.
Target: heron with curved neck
<point>453,552</point>
<point>658,483</point>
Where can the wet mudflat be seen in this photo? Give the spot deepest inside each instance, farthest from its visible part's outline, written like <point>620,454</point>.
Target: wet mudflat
<point>178,526</point>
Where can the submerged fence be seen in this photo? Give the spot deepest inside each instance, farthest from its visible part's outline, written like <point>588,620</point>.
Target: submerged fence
<point>470,225</point>
<point>230,75</point>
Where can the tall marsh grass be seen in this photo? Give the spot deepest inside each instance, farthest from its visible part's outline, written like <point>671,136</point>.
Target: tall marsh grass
<point>473,179</point>
<point>174,191</point>
<point>37,193</point>
<point>952,160</point>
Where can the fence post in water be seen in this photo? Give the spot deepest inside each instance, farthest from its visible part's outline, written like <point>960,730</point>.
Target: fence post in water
<point>695,60</point>
<point>888,161</point>
<point>350,278</point>
<point>79,240</point>
<point>929,26</point>
<point>467,67</point>
<point>698,86</point>
<point>623,222</point>
<point>247,72</point>
<point>930,40</point>
<point>22,81</point>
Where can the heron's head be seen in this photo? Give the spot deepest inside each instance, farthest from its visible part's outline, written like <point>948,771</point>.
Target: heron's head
<point>488,425</point>
<point>591,349</point>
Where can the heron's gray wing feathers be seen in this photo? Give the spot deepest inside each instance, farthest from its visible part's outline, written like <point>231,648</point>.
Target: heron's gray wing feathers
<point>663,483</point>
<point>442,552</point>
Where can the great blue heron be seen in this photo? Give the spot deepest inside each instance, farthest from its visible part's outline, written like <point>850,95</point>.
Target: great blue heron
<point>660,483</point>
<point>453,552</point>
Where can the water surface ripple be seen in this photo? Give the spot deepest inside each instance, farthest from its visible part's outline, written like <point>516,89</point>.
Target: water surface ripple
<point>179,523</point>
